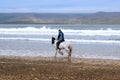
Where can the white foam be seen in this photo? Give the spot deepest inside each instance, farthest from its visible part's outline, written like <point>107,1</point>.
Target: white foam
<point>81,36</point>
<point>71,40</point>
<point>48,31</point>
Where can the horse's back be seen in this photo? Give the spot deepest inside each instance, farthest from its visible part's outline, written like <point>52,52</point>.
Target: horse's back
<point>65,44</point>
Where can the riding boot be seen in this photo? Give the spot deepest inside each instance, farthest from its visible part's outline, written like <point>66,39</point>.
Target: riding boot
<point>57,46</point>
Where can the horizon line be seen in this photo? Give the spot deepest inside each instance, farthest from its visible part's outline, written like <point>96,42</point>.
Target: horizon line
<point>66,12</point>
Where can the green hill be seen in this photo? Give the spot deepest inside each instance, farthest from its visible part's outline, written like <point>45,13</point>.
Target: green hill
<point>61,18</point>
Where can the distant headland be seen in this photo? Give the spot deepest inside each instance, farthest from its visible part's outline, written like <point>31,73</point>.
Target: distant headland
<point>61,18</point>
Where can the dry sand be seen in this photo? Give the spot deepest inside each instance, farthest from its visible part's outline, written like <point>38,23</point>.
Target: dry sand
<point>47,68</point>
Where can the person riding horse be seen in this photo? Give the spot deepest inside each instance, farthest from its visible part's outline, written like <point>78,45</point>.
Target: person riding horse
<point>65,45</point>
<point>60,38</point>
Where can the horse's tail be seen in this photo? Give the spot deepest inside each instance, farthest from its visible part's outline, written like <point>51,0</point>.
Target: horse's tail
<point>70,50</point>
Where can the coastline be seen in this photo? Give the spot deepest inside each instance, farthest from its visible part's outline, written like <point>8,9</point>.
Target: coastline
<point>64,59</point>
<point>47,68</point>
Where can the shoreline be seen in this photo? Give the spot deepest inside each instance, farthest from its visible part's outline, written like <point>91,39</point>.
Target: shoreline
<point>64,59</point>
<point>47,68</point>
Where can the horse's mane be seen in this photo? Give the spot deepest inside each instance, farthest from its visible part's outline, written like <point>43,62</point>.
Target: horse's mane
<point>53,40</point>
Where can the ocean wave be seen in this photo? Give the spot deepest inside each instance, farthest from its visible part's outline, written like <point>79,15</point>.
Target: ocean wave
<point>48,31</point>
<point>79,36</point>
<point>32,39</point>
<point>70,40</point>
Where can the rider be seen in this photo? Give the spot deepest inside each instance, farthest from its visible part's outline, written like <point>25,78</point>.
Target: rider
<point>60,38</point>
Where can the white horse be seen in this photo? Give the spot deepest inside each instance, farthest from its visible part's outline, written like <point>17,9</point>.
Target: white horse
<point>63,46</point>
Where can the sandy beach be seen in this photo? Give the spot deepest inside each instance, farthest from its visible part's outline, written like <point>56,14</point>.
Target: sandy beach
<point>47,68</point>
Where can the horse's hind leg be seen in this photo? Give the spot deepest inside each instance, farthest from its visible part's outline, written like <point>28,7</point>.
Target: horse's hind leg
<point>69,54</point>
<point>69,58</point>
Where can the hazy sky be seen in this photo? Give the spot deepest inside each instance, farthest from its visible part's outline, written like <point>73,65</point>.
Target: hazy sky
<point>59,6</point>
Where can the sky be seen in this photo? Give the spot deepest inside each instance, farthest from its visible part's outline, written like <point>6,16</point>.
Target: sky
<point>59,6</point>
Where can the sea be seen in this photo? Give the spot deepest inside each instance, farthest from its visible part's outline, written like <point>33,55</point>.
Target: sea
<point>88,41</point>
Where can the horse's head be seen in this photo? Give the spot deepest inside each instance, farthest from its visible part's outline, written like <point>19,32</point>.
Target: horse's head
<point>53,40</point>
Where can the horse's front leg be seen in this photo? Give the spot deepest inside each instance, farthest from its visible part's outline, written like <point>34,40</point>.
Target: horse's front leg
<point>55,53</point>
<point>60,52</point>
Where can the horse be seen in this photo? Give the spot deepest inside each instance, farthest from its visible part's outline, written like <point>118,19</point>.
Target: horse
<point>65,45</point>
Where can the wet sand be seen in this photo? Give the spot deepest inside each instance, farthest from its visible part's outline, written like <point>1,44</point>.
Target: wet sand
<point>48,68</point>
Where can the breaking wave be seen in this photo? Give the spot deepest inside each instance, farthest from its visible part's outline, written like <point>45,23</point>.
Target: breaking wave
<point>75,35</point>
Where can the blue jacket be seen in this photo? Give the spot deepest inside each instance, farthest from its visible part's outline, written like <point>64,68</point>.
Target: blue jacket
<point>61,36</point>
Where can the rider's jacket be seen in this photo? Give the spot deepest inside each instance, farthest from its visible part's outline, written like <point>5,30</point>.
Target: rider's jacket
<point>60,36</point>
